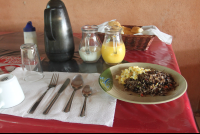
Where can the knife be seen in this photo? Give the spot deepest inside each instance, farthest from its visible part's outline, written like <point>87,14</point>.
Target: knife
<point>57,95</point>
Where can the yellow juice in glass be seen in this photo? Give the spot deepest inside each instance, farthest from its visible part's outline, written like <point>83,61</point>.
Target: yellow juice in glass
<point>108,53</point>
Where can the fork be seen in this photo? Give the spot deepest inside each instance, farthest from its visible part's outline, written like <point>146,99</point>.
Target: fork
<point>53,83</point>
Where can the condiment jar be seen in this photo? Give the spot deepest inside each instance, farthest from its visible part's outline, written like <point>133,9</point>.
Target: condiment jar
<point>90,45</point>
<point>30,33</point>
<point>113,48</point>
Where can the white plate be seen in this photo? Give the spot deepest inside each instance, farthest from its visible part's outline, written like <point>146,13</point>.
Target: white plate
<point>111,86</point>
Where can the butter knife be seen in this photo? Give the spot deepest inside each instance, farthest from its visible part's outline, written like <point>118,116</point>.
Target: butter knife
<point>57,95</point>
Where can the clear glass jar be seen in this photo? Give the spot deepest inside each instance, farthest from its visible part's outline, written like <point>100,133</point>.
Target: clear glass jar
<point>90,45</point>
<point>113,48</point>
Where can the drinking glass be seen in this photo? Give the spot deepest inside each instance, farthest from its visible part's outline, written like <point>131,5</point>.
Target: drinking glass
<point>31,63</point>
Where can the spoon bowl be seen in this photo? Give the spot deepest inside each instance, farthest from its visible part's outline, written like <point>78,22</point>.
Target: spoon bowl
<point>76,84</point>
<point>87,91</point>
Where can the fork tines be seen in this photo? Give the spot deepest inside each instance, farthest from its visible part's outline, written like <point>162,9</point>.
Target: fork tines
<point>54,79</point>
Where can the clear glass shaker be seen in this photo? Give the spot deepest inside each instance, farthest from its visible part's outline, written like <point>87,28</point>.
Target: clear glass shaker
<point>90,45</point>
<point>113,48</point>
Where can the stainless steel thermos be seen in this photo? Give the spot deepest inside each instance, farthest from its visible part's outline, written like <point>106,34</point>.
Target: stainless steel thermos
<point>58,35</point>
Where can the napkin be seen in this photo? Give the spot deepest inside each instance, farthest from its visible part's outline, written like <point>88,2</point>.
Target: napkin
<point>153,30</point>
<point>147,30</point>
<point>100,108</point>
<point>101,27</point>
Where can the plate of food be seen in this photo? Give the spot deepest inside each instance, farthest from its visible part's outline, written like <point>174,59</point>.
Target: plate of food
<point>143,83</point>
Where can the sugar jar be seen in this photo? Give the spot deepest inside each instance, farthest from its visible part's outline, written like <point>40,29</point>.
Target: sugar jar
<point>90,45</point>
<point>113,48</point>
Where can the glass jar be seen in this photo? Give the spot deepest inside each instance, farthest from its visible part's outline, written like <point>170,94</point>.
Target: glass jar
<point>113,48</point>
<point>90,45</point>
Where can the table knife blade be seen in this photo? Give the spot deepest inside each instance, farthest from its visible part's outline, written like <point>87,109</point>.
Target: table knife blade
<point>56,97</point>
<point>64,86</point>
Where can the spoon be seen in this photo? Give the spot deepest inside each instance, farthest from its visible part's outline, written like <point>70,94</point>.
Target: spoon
<point>87,91</point>
<point>77,83</point>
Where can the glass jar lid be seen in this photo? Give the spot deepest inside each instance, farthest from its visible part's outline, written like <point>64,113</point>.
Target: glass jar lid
<point>113,29</point>
<point>89,28</point>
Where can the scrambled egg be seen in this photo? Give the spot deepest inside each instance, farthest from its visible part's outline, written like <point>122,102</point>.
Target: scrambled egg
<point>131,72</point>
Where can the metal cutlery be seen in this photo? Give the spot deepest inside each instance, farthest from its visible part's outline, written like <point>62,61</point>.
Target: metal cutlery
<point>53,83</point>
<point>77,83</point>
<point>56,97</point>
<point>87,91</point>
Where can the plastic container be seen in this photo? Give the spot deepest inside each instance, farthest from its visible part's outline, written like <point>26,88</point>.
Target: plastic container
<point>30,34</point>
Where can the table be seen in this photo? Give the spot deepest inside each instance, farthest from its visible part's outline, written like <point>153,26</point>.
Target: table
<point>172,117</point>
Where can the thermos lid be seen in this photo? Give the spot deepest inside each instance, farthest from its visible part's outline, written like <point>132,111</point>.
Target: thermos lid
<point>29,27</point>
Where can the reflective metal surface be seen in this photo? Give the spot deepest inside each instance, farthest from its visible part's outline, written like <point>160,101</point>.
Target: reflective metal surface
<point>58,35</point>
<point>76,84</point>
<point>86,92</point>
<point>53,83</point>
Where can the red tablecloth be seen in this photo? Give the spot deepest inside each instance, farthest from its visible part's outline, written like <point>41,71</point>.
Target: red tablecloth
<point>172,117</point>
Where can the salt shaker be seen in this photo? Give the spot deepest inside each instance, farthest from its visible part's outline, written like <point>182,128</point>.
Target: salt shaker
<point>30,34</point>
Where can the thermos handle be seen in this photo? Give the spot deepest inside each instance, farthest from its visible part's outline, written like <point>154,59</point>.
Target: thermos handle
<point>48,24</point>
